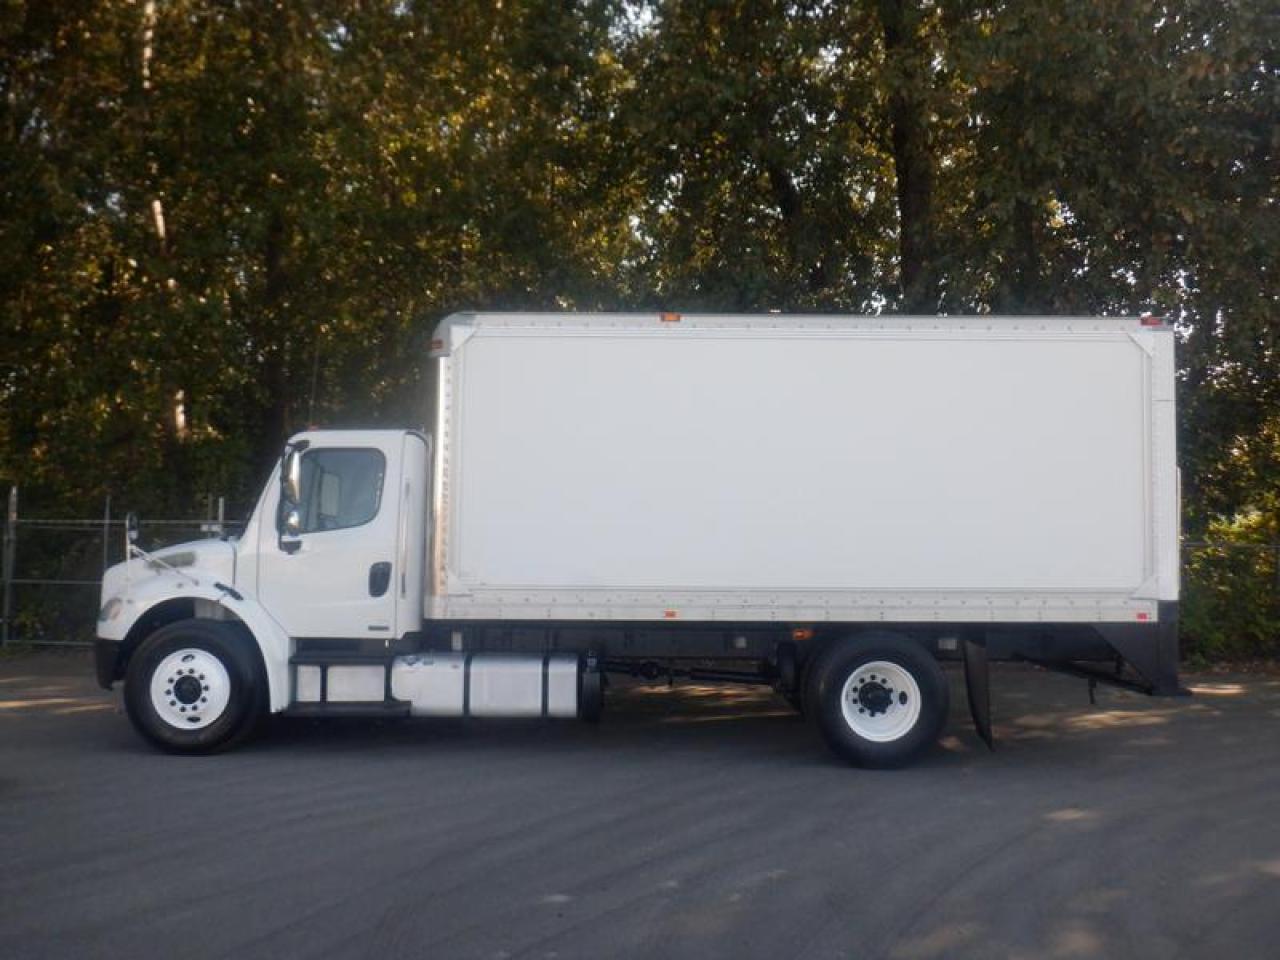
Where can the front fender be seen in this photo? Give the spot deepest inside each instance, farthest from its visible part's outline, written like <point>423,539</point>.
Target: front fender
<point>218,603</point>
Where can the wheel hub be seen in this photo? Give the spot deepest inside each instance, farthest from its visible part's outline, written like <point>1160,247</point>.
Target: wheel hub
<point>881,701</point>
<point>190,688</point>
<point>187,690</point>
<point>875,697</point>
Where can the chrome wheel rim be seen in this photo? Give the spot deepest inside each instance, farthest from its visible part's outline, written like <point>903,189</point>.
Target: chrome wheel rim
<point>190,689</point>
<point>880,701</point>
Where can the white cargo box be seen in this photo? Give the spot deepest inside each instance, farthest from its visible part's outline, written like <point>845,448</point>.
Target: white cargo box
<point>760,468</point>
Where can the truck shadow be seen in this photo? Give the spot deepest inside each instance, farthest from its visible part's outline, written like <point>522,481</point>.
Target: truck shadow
<point>1040,720</point>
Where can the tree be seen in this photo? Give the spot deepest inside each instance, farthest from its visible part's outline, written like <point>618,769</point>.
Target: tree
<point>224,221</point>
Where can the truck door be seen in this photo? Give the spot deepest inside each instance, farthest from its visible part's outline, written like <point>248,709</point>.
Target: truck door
<point>336,577</point>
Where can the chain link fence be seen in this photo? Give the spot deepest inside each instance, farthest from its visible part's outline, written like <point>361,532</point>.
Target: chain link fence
<point>52,568</point>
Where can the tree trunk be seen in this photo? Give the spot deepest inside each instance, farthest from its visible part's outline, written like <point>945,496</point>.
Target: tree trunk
<point>1020,289</point>
<point>907,63</point>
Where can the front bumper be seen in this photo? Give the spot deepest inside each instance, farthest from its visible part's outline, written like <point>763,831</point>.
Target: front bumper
<point>106,660</point>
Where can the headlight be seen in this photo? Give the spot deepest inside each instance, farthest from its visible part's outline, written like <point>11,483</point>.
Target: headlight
<point>110,610</point>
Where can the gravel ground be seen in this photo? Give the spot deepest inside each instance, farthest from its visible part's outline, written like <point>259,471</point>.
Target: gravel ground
<point>696,822</point>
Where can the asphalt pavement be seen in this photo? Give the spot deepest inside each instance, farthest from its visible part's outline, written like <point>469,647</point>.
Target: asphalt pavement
<point>699,822</point>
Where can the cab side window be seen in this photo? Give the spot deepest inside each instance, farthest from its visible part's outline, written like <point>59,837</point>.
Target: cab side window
<point>340,488</point>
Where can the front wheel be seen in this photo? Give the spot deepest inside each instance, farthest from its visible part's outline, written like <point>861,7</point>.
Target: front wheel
<point>879,699</point>
<point>194,687</point>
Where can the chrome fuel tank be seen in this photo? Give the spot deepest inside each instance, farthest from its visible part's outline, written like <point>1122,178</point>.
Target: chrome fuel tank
<point>488,684</point>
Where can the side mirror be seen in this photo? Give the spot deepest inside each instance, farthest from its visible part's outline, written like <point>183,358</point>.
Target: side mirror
<point>291,476</point>
<point>130,528</point>
<point>290,518</point>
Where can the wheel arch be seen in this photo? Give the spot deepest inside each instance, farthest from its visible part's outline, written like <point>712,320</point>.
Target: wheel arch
<point>269,644</point>
<point>148,622</point>
<point>828,637</point>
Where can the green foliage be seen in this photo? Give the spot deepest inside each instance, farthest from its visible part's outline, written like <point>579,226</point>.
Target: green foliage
<point>1231,591</point>
<point>224,221</point>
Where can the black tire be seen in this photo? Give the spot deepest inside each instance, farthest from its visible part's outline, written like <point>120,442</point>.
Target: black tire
<point>798,697</point>
<point>840,661</point>
<point>790,682</point>
<point>591,681</point>
<point>246,703</point>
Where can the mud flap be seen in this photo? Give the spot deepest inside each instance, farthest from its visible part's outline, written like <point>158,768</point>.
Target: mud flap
<point>977,684</point>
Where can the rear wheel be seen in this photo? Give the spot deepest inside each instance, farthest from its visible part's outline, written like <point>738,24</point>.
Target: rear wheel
<point>879,699</point>
<point>194,687</point>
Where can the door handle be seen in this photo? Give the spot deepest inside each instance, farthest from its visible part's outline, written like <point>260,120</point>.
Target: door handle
<point>379,578</point>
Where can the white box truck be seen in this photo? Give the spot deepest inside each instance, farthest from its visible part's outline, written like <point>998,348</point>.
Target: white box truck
<point>827,504</point>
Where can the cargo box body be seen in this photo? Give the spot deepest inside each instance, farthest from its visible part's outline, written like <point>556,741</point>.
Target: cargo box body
<point>806,469</point>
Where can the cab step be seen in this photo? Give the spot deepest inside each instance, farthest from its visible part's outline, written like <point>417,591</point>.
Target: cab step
<point>338,678</point>
<point>340,658</point>
<point>354,708</point>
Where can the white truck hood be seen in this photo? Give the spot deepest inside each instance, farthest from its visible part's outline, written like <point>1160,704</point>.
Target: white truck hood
<point>205,560</point>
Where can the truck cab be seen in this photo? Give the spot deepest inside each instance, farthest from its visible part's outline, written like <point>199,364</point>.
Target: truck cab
<point>334,552</point>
